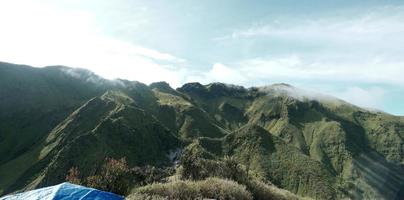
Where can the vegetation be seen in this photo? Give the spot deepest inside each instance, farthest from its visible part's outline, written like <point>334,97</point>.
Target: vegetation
<point>73,176</point>
<point>114,177</point>
<point>57,122</point>
<point>211,188</point>
<point>205,178</point>
<point>117,177</point>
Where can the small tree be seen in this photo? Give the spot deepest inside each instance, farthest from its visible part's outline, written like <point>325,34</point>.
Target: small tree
<point>150,174</point>
<point>73,176</point>
<point>96,181</point>
<point>114,177</point>
<point>193,162</point>
<point>248,155</point>
<point>232,169</point>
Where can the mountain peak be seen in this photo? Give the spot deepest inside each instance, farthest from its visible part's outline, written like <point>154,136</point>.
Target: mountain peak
<point>213,89</point>
<point>192,86</point>
<point>223,87</point>
<point>160,84</point>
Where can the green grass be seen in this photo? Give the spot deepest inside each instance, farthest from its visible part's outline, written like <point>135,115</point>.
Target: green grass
<point>12,170</point>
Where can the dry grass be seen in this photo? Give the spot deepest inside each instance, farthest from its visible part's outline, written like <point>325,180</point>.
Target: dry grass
<point>211,188</point>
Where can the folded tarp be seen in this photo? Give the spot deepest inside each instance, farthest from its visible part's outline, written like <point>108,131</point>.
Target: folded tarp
<point>64,191</point>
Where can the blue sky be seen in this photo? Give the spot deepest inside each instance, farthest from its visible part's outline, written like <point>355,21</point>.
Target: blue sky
<point>349,49</point>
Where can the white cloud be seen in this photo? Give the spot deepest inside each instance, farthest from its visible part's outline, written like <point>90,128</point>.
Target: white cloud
<point>383,26</point>
<point>40,35</point>
<point>219,73</point>
<point>297,68</point>
<point>367,98</point>
<point>365,47</point>
<point>301,67</point>
<point>298,93</point>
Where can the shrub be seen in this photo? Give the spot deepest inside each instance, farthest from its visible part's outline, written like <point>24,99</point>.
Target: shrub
<point>229,168</point>
<point>194,163</point>
<point>222,189</point>
<point>195,167</point>
<point>150,174</point>
<point>136,196</point>
<point>210,188</point>
<point>262,191</point>
<point>172,190</point>
<point>73,176</point>
<point>114,176</point>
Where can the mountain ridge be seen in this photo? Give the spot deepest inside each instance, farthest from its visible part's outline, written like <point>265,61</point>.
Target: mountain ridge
<point>316,147</point>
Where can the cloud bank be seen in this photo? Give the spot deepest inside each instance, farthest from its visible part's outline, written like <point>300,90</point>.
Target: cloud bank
<point>41,35</point>
<point>348,50</point>
<point>363,47</point>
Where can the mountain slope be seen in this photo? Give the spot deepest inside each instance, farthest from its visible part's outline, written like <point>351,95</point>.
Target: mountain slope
<point>283,164</point>
<point>313,145</point>
<point>106,126</point>
<point>339,136</point>
<point>34,100</point>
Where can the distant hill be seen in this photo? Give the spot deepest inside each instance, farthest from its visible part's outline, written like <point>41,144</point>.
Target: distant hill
<point>313,145</point>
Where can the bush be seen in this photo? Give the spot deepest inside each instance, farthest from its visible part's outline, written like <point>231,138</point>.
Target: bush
<point>210,188</point>
<point>73,176</point>
<point>230,169</point>
<point>194,162</point>
<point>150,174</point>
<point>172,190</point>
<point>114,176</point>
<point>262,191</point>
<point>145,197</point>
<point>196,167</point>
<point>193,166</point>
<point>222,189</point>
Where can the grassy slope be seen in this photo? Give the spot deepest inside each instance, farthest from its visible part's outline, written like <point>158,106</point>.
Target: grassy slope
<point>210,188</point>
<point>33,101</point>
<point>106,126</point>
<point>312,147</point>
<point>184,117</point>
<point>330,136</point>
<point>272,159</point>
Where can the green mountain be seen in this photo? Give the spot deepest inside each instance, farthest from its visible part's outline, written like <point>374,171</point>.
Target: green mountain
<point>55,118</point>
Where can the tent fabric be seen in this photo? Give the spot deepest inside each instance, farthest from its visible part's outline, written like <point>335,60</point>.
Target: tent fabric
<point>64,191</point>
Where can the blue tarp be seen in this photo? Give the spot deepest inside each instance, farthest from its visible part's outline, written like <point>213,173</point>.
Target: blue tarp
<point>64,191</point>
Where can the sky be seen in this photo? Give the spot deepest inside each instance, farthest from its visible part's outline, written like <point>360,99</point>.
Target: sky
<point>353,50</point>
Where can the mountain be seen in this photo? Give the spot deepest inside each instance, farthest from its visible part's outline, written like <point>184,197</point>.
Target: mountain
<point>55,118</point>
